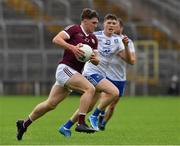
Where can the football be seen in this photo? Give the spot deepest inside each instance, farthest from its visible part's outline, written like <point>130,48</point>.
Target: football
<point>87,53</point>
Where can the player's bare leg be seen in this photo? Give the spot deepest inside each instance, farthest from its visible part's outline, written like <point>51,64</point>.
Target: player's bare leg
<point>75,115</point>
<point>65,129</point>
<point>104,118</point>
<point>106,102</point>
<point>110,110</point>
<point>56,95</point>
<point>111,93</point>
<point>79,83</point>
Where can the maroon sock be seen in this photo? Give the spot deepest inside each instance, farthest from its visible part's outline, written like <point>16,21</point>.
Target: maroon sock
<point>27,122</point>
<point>81,119</point>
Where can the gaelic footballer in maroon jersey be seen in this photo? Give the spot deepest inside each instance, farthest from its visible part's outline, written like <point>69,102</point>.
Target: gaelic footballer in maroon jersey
<point>68,75</point>
<point>76,35</point>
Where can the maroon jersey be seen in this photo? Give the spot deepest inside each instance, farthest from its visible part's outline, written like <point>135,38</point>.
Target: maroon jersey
<point>77,36</point>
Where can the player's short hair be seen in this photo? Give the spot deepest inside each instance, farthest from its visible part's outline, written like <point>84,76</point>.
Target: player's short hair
<point>88,13</point>
<point>110,16</point>
<point>121,23</point>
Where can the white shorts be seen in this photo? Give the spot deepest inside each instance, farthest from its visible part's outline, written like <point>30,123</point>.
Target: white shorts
<point>63,73</point>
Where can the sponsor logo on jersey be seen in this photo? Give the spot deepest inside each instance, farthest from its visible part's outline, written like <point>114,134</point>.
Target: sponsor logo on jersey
<point>86,40</point>
<point>116,41</point>
<point>105,51</point>
<point>81,35</point>
<point>108,42</point>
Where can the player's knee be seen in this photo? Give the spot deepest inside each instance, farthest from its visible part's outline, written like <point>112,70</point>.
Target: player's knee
<point>90,89</point>
<point>115,93</point>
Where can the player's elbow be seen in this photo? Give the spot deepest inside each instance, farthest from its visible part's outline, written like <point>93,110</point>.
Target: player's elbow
<point>132,61</point>
<point>54,40</point>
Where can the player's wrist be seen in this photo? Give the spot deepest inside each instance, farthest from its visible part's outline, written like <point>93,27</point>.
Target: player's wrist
<point>126,46</point>
<point>70,47</point>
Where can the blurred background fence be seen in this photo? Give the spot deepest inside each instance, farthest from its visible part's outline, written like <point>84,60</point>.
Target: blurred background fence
<point>28,59</point>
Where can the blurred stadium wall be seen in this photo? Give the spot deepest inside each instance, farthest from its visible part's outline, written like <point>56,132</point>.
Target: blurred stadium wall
<point>28,59</point>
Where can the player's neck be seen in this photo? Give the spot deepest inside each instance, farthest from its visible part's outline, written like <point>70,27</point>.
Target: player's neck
<point>108,34</point>
<point>84,30</point>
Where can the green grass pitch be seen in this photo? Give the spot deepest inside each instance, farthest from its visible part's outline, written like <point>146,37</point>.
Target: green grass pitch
<point>137,121</point>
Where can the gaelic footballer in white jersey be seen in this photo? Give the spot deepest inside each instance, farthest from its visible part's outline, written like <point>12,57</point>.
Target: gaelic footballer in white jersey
<point>116,73</point>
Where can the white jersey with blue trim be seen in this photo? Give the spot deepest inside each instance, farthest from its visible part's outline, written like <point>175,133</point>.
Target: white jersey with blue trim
<point>117,69</point>
<point>108,47</point>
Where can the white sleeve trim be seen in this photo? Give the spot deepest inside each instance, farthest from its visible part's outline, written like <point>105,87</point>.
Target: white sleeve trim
<point>66,34</point>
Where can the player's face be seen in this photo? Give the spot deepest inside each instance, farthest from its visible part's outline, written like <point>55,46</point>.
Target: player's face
<point>110,26</point>
<point>118,29</point>
<point>91,24</point>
